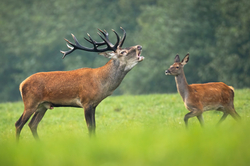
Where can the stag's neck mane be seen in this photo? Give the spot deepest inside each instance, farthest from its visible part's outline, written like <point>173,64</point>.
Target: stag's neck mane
<point>112,74</point>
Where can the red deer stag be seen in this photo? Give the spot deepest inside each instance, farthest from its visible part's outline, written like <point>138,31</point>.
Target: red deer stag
<point>84,88</point>
<point>198,98</point>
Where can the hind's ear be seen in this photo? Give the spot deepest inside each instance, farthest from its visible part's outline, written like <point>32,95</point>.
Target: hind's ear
<point>177,59</point>
<point>185,59</point>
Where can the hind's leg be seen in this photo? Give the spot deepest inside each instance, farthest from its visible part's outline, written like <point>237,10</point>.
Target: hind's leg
<point>201,120</point>
<point>223,117</point>
<point>37,117</point>
<point>234,114</point>
<point>194,112</point>
<point>22,120</point>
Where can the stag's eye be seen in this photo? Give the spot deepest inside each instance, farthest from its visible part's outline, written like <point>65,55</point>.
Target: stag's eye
<point>177,67</point>
<point>123,52</point>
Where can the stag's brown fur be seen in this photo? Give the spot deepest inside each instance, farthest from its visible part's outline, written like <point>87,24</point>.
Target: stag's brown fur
<point>84,88</point>
<point>198,98</point>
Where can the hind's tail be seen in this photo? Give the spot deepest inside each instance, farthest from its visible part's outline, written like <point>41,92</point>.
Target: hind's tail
<point>231,88</point>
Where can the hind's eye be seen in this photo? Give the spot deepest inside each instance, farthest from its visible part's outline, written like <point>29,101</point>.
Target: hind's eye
<point>177,67</point>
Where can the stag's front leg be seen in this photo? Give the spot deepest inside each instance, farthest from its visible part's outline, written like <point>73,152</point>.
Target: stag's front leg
<point>90,119</point>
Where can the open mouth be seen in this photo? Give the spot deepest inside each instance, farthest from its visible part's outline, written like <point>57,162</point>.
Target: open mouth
<point>139,57</point>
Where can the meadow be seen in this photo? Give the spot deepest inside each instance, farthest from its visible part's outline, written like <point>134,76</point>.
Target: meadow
<point>131,130</point>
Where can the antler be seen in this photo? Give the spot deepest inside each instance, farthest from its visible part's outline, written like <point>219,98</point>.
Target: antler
<point>110,46</point>
<point>123,38</point>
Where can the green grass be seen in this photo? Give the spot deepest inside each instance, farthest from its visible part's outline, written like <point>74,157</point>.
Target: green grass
<point>131,130</point>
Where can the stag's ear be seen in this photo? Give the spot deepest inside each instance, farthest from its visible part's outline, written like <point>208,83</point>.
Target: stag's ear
<point>177,59</point>
<point>111,55</point>
<point>185,59</point>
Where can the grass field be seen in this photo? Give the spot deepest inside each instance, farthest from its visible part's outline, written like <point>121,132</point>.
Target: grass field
<point>131,131</point>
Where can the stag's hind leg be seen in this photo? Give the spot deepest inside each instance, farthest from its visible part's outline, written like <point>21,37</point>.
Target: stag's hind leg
<point>23,120</point>
<point>37,117</point>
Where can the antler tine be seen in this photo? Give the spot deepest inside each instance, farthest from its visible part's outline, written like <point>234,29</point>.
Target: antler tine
<point>96,43</point>
<point>75,46</point>
<point>66,53</point>
<point>118,39</point>
<point>105,34</point>
<point>92,41</point>
<point>123,38</point>
<point>109,44</point>
<point>71,48</point>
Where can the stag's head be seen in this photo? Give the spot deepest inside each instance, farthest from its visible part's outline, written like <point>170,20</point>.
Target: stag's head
<point>128,57</point>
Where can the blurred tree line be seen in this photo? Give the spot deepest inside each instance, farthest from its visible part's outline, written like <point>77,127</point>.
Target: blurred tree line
<point>215,33</point>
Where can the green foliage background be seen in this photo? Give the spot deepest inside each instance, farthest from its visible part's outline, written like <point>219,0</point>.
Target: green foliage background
<point>215,33</point>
